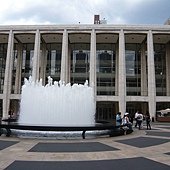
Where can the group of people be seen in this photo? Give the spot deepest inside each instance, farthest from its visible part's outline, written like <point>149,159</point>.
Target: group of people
<point>123,121</point>
<point>139,117</point>
<point>128,120</point>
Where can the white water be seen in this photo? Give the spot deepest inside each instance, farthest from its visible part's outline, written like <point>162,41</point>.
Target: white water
<point>56,104</point>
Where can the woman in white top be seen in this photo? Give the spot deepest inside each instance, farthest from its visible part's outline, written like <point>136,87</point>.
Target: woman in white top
<point>125,121</point>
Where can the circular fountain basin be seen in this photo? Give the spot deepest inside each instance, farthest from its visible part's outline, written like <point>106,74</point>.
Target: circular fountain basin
<point>60,132</point>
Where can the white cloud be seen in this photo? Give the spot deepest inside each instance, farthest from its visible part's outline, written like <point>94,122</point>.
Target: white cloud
<point>74,11</point>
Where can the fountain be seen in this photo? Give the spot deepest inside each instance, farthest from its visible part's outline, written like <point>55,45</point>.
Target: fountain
<point>56,104</point>
<point>57,110</point>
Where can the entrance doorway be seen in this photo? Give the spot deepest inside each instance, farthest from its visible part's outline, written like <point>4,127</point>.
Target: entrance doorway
<point>106,111</point>
<point>132,107</point>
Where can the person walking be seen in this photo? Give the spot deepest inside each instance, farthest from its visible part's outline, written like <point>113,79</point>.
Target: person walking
<point>136,115</point>
<point>148,120</point>
<point>139,120</point>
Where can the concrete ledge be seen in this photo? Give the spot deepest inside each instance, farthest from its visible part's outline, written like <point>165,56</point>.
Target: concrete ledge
<point>113,130</point>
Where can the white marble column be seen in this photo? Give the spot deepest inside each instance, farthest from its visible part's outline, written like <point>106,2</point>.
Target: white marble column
<point>143,71</point>
<point>43,63</point>
<point>69,64</point>
<point>167,69</point>
<point>151,74</point>
<point>17,88</point>
<point>92,77</point>
<point>116,70</point>
<point>122,74</point>
<point>8,75</point>
<point>64,58</point>
<point>36,57</point>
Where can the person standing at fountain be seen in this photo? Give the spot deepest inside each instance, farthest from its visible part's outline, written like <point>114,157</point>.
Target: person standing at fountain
<point>118,119</point>
<point>148,120</point>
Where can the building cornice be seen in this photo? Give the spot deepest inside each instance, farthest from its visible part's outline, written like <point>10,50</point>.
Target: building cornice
<point>97,27</point>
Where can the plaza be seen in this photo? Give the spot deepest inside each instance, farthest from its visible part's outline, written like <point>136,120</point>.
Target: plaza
<point>142,149</point>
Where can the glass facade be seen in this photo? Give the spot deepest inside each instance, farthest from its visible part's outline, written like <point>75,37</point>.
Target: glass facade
<point>160,69</point>
<point>162,105</point>
<point>14,69</point>
<point>26,61</point>
<point>3,53</point>
<point>53,67</point>
<point>133,69</point>
<point>106,111</point>
<point>133,107</point>
<point>1,108</point>
<point>80,64</point>
<point>105,66</point>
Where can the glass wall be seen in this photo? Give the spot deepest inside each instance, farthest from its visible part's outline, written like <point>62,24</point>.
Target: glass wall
<point>3,53</point>
<point>27,60</point>
<point>106,111</point>
<point>162,105</point>
<point>133,69</point>
<point>133,107</point>
<point>105,66</point>
<point>80,63</point>
<point>27,63</point>
<point>160,69</point>
<point>14,68</point>
<point>1,108</point>
<point>53,67</point>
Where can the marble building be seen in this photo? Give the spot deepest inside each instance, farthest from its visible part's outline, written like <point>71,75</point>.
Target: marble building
<point>128,66</point>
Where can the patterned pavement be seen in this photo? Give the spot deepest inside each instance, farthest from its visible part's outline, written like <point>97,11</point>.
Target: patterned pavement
<point>143,149</point>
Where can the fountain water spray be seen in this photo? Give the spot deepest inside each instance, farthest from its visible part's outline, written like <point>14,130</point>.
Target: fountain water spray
<point>56,104</point>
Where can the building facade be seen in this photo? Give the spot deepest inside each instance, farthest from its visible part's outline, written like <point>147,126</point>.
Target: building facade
<point>128,66</point>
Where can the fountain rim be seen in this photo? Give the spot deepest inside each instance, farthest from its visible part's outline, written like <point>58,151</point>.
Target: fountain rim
<point>100,127</point>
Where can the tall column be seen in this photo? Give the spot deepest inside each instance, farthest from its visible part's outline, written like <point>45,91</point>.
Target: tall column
<point>116,70</point>
<point>8,75</point>
<point>64,58</point>
<point>151,75</point>
<point>122,74</point>
<point>36,57</point>
<point>17,88</point>
<point>167,69</point>
<point>69,64</point>
<point>92,77</point>
<point>143,71</point>
<point>43,63</point>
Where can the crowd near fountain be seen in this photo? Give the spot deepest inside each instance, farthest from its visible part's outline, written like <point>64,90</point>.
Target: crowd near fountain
<point>56,104</point>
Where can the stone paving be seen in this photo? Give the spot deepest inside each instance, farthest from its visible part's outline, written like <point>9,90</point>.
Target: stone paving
<point>149,148</point>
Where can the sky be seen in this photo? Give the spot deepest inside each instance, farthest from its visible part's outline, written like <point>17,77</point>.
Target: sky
<point>38,12</point>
